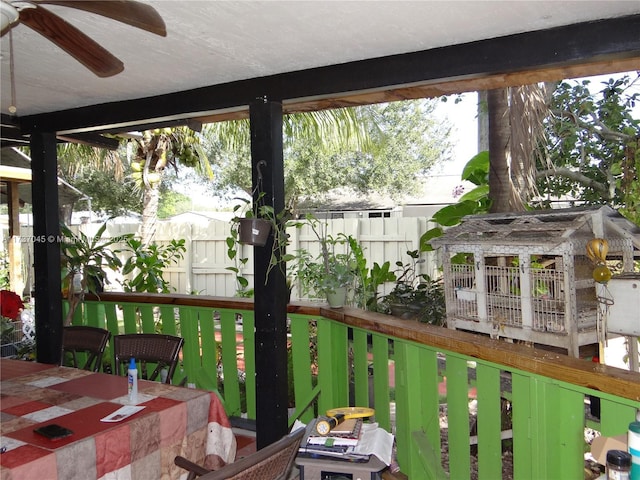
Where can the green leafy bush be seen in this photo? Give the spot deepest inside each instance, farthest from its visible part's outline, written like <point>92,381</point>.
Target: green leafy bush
<point>148,262</point>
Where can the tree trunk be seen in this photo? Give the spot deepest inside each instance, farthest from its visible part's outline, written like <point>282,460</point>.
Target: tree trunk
<point>149,212</point>
<point>483,122</point>
<point>501,189</point>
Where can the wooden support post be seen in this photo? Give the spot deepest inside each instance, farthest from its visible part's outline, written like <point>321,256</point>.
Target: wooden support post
<point>16,280</point>
<point>46,250</point>
<point>271,294</point>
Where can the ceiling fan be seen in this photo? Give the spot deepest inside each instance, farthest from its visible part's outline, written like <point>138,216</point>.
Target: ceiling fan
<point>88,52</point>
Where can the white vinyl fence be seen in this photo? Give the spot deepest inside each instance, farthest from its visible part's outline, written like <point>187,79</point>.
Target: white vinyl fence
<point>203,270</point>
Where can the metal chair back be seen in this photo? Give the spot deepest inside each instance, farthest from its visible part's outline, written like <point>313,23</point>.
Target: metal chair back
<point>153,348</point>
<point>91,341</point>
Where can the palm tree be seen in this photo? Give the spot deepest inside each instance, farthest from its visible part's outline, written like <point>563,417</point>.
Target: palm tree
<point>157,149</point>
<point>152,152</point>
<point>516,128</point>
<point>75,160</point>
<point>340,127</point>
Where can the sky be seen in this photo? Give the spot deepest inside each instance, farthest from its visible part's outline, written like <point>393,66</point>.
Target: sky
<point>464,134</point>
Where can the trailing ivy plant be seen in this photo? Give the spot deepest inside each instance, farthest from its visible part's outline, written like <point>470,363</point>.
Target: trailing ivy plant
<point>233,252</point>
<point>278,257</point>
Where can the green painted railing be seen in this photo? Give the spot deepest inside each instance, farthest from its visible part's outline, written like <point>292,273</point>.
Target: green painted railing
<point>348,356</point>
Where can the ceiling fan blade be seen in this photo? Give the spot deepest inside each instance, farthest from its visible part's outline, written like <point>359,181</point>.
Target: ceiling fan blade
<point>72,41</point>
<point>8,16</point>
<point>132,13</point>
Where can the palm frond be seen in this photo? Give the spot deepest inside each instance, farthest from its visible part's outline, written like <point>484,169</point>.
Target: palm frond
<point>74,159</point>
<point>527,112</point>
<point>340,127</point>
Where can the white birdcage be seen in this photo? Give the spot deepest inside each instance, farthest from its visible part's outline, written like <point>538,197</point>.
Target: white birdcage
<point>12,338</point>
<point>526,276</point>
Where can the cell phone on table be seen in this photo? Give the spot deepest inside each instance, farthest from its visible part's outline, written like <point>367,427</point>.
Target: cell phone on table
<point>53,431</point>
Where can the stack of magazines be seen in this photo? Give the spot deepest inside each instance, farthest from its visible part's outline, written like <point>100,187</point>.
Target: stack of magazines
<point>340,443</point>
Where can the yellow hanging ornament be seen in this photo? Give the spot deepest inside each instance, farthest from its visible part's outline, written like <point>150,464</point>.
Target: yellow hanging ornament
<point>597,250</point>
<point>601,273</point>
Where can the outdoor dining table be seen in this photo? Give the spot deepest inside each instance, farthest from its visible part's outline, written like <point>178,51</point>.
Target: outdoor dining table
<point>174,421</point>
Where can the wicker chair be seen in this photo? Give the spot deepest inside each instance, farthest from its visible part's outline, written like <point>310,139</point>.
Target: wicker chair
<point>161,350</point>
<point>88,340</point>
<point>273,462</point>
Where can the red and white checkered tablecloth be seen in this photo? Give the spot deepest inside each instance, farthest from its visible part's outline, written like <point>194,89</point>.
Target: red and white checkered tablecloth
<point>175,421</point>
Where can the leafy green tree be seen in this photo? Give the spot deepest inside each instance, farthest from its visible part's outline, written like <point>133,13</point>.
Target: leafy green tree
<point>173,203</point>
<point>147,264</point>
<point>594,145</point>
<point>403,140</point>
<point>93,171</point>
<point>107,196</point>
<point>138,168</point>
<point>410,140</point>
<point>325,131</point>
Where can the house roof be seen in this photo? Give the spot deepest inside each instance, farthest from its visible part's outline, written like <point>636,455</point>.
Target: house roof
<point>200,217</point>
<point>436,190</point>
<point>16,166</point>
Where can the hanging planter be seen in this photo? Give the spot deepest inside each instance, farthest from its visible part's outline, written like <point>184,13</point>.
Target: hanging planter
<point>253,231</point>
<point>255,222</point>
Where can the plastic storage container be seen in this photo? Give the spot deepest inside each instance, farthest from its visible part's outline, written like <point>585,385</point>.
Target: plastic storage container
<point>633,443</point>
<point>618,465</point>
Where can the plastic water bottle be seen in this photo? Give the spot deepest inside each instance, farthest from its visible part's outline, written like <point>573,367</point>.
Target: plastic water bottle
<point>132,378</point>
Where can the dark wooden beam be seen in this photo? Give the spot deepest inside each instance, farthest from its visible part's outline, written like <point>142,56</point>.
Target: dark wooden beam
<point>598,41</point>
<point>91,139</point>
<point>270,294</point>
<point>193,124</point>
<point>46,248</point>
<point>440,88</point>
<point>10,132</point>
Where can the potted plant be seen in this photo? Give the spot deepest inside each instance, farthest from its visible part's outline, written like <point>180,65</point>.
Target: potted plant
<point>416,296</point>
<point>83,261</point>
<point>254,228</point>
<point>251,226</point>
<point>330,274</point>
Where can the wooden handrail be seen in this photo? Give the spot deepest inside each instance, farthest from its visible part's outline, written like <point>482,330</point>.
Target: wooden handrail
<point>602,378</point>
<point>174,299</point>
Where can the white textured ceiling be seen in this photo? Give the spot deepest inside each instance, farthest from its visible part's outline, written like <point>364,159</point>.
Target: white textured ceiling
<point>212,42</point>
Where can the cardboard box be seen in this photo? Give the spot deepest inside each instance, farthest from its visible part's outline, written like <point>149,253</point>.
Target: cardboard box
<point>601,445</point>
